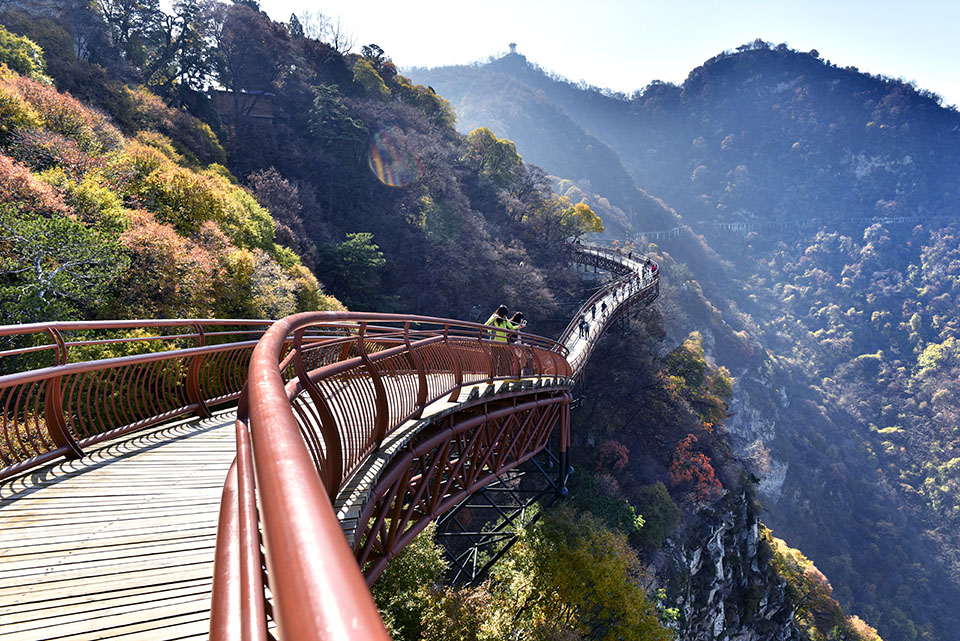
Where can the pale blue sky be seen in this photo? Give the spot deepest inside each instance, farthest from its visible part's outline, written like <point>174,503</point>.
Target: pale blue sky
<point>622,44</point>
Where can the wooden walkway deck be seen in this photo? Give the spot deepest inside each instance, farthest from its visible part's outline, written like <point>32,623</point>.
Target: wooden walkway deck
<point>119,544</point>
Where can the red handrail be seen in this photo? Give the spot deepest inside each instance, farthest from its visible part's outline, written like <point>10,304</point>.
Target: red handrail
<point>357,379</point>
<point>60,409</point>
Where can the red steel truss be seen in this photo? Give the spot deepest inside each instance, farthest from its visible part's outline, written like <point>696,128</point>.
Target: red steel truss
<point>454,458</point>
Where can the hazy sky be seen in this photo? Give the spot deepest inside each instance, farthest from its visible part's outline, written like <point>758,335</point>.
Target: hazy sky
<point>623,44</point>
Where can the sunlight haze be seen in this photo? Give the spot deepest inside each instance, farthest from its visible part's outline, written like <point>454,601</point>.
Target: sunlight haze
<point>623,45</point>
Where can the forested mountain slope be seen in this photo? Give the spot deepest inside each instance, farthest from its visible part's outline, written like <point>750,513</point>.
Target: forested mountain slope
<point>837,314</point>
<point>98,222</point>
<point>546,131</point>
<point>213,161</point>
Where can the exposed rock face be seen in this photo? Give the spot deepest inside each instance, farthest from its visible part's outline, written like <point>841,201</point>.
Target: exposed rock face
<point>751,422</point>
<point>717,572</point>
<point>46,8</point>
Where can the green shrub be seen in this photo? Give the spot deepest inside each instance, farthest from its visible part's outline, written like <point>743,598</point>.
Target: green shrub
<point>65,115</point>
<point>141,110</point>
<point>660,515</point>
<point>400,590</point>
<point>22,55</point>
<point>16,114</point>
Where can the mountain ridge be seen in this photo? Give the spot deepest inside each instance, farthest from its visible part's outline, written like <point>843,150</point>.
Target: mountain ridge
<point>771,136</point>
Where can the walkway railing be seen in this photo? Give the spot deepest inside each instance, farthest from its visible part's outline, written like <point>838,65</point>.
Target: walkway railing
<point>307,418</point>
<point>637,283</point>
<point>66,396</point>
<point>324,391</point>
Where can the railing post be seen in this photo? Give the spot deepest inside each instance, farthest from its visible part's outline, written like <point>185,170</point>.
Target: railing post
<point>564,438</point>
<point>537,364</point>
<point>488,350</point>
<point>53,415</point>
<point>421,372</point>
<point>53,404</point>
<point>332,474</point>
<point>457,367</point>
<point>194,393</point>
<point>382,416</point>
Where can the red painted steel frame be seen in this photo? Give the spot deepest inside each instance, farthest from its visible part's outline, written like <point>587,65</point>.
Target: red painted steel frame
<point>358,377</point>
<point>450,461</point>
<point>58,410</point>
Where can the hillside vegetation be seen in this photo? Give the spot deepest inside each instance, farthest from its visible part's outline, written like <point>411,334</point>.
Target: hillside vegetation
<point>836,313</point>
<point>312,164</point>
<point>96,224</point>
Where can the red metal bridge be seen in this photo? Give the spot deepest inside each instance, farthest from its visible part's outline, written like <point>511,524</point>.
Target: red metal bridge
<point>341,436</point>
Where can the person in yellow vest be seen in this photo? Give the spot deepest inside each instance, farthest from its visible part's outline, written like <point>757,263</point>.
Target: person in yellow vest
<point>518,322</point>
<point>499,319</point>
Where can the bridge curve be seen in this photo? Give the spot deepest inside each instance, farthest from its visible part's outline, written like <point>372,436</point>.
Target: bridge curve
<point>403,414</point>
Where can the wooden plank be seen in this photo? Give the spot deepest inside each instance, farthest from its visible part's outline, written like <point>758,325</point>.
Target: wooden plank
<point>91,585</point>
<point>92,600</point>
<point>119,544</point>
<point>106,570</point>
<point>161,622</point>
<point>58,545</point>
<point>79,612</point>
<point>25,564</point>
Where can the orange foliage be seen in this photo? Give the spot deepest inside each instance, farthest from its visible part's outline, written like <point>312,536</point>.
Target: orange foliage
<point>65,115</point>
<point>170,276</point>
<point>694,470</point>
<point>19,186</point>
<point>42,150</point>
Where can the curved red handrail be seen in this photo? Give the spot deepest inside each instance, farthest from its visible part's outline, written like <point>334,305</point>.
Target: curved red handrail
<point>57,405</point>
<point>357,377</point>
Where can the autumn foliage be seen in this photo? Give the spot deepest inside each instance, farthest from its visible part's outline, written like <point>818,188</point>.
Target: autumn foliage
<point>692,470</point>
<point>613,455</point>
<point>193,243</point>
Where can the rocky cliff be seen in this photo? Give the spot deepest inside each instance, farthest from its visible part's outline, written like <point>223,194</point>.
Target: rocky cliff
<point>717,571</point>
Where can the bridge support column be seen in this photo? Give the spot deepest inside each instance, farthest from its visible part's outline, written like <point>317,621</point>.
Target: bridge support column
<point>564,471</point>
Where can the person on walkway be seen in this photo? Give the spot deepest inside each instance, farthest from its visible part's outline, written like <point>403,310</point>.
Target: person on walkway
<point>499,319</point>
<point>518,322</point>
<point>603,308</point>
<point>593,312</point>
<point>583,326</point>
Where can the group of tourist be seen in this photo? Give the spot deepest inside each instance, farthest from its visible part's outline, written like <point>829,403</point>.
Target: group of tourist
<point>508,326</point>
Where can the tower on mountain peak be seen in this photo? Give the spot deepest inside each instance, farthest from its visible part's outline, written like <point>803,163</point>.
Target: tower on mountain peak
<point>513,47</point>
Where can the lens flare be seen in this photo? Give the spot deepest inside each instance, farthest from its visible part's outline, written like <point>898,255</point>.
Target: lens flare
<point>391,162</point>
